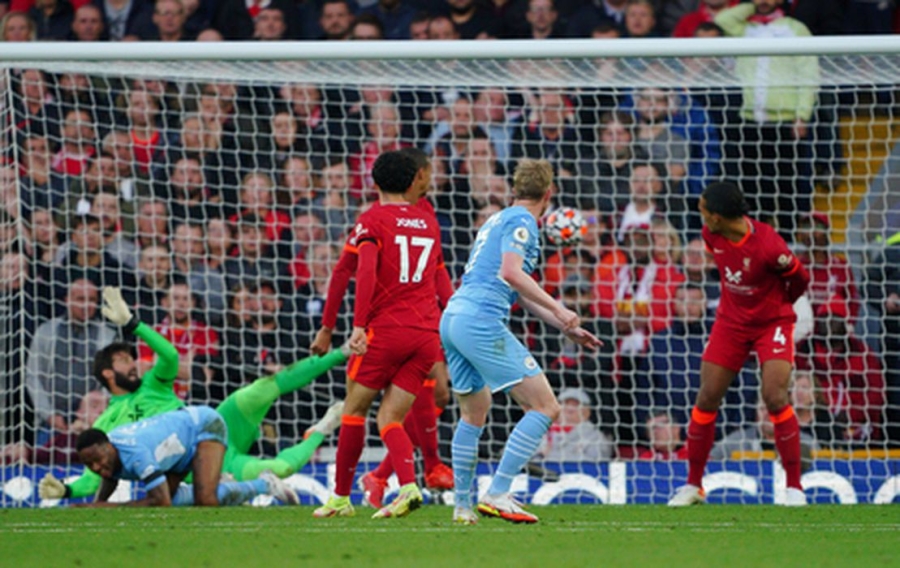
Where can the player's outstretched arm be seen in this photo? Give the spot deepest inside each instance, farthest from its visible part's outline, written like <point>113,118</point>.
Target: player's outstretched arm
<point>337,286</point>
<point>117,311</point>
<point>534,298</point>
<point>366,274</point>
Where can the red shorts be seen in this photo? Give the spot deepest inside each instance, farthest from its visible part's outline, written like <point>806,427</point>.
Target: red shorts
<point>729,346</point>
<point>397,356</point>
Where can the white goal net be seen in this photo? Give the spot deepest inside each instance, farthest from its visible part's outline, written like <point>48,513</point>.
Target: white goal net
<point>218,194</point>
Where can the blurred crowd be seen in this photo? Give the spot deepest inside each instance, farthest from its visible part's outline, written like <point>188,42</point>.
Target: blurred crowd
<point>221,207</point>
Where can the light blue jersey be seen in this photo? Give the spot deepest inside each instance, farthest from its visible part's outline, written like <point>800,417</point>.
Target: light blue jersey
<point>483,291</point>
<point>480,349</point>
<point>165,443</point>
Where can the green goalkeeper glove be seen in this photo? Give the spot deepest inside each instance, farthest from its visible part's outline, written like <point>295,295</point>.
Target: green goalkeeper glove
<point>116,310</point>
<point>52,488</point>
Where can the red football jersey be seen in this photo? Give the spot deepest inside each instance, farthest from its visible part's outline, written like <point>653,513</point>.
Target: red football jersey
<point>409,242</point>
<point>752,274</point>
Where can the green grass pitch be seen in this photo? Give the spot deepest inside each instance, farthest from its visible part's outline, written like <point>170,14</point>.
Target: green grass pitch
<point>709,536</point>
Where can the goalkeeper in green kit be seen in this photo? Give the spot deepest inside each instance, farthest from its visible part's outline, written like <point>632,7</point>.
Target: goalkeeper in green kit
<point>134,398</point>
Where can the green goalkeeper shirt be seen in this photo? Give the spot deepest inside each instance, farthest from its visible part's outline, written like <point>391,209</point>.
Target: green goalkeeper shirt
<point>154,396</point>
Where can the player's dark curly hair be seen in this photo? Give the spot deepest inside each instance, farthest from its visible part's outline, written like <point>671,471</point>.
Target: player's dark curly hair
<point>725,199</point>
<point>418,155</point>
<point>103,360</point>
<point>394,172</point>
<point>90,437</point>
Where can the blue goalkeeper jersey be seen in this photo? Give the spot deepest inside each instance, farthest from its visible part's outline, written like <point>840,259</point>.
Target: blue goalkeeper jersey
<point>165,443</point>
<point>483,292</point>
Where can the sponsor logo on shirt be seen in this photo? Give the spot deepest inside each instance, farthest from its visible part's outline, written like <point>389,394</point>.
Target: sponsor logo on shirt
<point>733,277</point>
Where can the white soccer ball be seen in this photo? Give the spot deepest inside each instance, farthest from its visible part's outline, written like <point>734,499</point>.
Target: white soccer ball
<point>565,226</point>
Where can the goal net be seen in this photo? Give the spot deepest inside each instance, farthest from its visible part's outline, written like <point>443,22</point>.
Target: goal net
<point>217,193</point>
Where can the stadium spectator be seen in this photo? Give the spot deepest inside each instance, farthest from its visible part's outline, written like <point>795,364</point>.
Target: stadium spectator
<point>334,206</point>
<point>883,292</point>
<point>470,20</point>
<point>336,19</point>
<point>148,141</point>
<point>307,230</point>
<point>665,438</point>
<point>254,257</point>
<point>43,237</point>
<point>189,196</point>
<point>548,132</point>
<point>17,27</point>
<point>152,222</point>
<point>295,190</point>
<point>383,135</point>
<point>450,138</point>
<point>309,298</point>
<point>58,370</point>
<point>234,19</point>
<point>812,410</point>
<point>707,12</point>
<point>830,276</point>
<point>585,19</point>
<point>751,441</point>
<point>647,198</point>
<point>125,19</point>
<point>418,27</point>
<point>258,199</point>
<point>396,17</point>
<point>187,248</point>
<point>60,449</point>
<point>492,113</point>
<point>441,27</point>
<point>640,19</point>
<point>77,146</point>
<point>52,19</point>
<point>77,91</point>
<point>107,205</point>
<point>657,137</point>
<point>670,375</point>
<point>155,276</point>
<point>88,259</point>
<point>131,183</point>
<point>699,270</point>
<point>542,21</point>
<point>366,27</point>
<point>196,342</point>
<point>850,375</point>
<point>169,18</point>
<point>598,177</point>
<point>269,25</point>
<point>209,285</point>
<point>40,186</point>
<point>773,149</point>
<point>87,25</point>
<point>35,112</point>
<point>304,100</point>
<point>573,437</point>
<point>210,34</point>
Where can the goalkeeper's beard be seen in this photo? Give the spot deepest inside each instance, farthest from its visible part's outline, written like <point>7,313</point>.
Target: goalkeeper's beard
<point>128,382</point>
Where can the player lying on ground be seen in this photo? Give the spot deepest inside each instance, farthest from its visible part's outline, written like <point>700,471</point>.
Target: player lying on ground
<point>134,398</point>
<point>161,451</point>
<point>394,340</point>
<point>420,423</point>
<point>483,355</point>
<point>760,281</point>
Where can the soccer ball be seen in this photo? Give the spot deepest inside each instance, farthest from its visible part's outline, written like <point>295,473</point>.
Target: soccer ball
<point>565,226</point>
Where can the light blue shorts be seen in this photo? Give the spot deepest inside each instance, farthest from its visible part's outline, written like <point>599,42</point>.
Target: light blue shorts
<point>482,351</point>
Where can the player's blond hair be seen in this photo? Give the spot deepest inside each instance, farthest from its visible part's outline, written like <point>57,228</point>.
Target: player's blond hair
<point>532,179</point>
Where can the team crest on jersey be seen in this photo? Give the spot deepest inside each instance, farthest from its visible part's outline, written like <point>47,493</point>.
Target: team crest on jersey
<point>530,363</point>
<point>784,260</point>
<point>521,235</point>
<point>734,277</point>
<point>746,263</point>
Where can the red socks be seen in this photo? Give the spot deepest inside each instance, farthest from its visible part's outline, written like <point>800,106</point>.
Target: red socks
<point>425,419</point>
<point>351,440</point>
<point>400,452</point>
<point>701,435</point>
<point>787,442</point>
